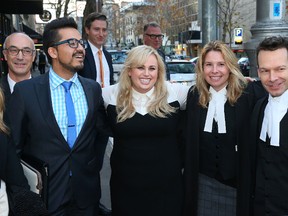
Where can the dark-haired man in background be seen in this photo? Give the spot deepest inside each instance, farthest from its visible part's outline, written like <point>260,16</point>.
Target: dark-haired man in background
<point>98,66</point>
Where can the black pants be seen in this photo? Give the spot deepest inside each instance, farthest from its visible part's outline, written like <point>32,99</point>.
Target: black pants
<point>70,207</point>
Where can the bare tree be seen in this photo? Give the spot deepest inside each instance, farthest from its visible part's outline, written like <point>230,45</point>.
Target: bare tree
<point>228,17</point>
<point>61,6</point>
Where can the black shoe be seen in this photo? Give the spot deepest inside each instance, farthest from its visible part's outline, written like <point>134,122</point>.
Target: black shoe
<point>103,211</point>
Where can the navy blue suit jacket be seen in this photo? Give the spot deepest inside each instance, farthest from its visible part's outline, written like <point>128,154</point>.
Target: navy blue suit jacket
<point>35,132</point>
<point>6,89</point>
<point>89,70</point>
<point>11,171</point>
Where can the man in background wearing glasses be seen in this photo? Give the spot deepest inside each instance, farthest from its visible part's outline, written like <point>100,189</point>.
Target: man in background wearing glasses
<point>19,52</point>
<point>56,117</point>
<point>153,37</point>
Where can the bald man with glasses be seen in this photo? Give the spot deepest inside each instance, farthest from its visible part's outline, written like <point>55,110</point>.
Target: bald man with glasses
<point>19,53</point>
<point>153,37</point>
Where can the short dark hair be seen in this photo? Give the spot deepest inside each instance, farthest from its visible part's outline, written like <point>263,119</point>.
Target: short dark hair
<point>152,24</point>
<point>94,16</point>
<point>51,32</point>
<point>272,43</point>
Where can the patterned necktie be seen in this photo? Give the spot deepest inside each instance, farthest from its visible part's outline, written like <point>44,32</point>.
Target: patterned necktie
<point>71,128</point>
<point>101,68</point>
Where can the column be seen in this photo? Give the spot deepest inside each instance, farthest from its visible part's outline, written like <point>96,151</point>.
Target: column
<point>209,21</point>
<point>270,21</point>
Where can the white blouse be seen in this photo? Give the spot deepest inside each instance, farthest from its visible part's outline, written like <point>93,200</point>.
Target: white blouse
<point>176,92</point>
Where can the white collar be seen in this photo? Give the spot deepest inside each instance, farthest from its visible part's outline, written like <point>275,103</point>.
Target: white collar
<point>273,114</point>
<point>12,83</point>
<point>94,48</point>
<point>216,110</point>
<point>137,95</point>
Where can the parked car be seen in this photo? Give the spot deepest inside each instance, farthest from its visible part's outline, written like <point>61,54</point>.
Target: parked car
<point>182,71</point>
<point>118,59</point>
<point>194,60</point>
<point>244,65</point>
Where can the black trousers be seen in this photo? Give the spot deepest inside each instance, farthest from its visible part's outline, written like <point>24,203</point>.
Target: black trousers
<point>70,207</point>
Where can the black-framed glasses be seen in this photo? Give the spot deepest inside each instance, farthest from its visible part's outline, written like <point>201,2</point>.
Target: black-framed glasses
<point>14,51</point>
<point>72,42</point>
<point>154,36</point>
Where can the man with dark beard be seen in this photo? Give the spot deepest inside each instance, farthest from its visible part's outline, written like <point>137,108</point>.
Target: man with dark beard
<point>59,115</point>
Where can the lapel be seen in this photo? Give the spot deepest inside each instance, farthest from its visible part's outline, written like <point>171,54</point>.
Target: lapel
<point>90,62</point>
<point>6,89</point>
<point>110,64</point>
<point>91,102</point>
<point>42,89</point>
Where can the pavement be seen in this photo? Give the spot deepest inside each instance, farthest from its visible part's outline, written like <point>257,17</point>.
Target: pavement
<point>105,176</point>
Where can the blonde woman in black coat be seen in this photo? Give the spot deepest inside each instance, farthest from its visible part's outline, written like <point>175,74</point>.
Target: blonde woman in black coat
<point>218,112</point>
<point>11,173</point>
<point>15,197</point>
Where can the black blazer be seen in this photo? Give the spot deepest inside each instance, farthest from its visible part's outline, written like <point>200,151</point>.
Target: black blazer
<point>269,191</point>
<point>11,171</point>
<point>89,70</point>
<point>243,108</point>
<point>6,89</point>
<point>36,132</point>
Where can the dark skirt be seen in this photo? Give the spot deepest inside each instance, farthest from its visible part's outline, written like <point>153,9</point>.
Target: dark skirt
<point>215,198</point>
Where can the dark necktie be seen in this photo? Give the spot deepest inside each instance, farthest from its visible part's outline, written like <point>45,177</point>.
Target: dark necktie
<point>71,128</point>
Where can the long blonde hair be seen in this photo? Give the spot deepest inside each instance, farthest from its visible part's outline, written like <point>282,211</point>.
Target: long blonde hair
<point>159,106</point>
<point>3,127</point>
<point>236,81</point>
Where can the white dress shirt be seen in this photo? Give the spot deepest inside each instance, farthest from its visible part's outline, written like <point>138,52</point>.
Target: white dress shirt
<point>273,114</point>
<point>12,83</point>
<point>4,209</point>
<point>105,65</point>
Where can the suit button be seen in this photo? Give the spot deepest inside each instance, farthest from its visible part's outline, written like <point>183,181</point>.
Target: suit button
<point>217,146</point>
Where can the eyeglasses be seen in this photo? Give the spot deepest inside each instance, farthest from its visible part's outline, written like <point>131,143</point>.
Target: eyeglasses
<point>72,42</point>
<point>14,51</point>
<point>153,36</point>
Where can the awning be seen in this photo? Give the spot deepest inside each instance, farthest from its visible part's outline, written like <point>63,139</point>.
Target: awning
<point>37,38</point>
<point>22,7</point>
<point>32,33</point>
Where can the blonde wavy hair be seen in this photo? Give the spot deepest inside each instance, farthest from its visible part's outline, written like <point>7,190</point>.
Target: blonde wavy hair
<point>3,127</point>
<point>159,106</point>
<point>236,81</point>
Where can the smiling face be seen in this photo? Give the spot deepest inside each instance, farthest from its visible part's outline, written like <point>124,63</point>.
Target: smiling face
<point>273,71</point>
<point>66,60</point>
<point>19,66</point>
<point>97,33</point>
<point>144,77</point>
<point>216,72</point>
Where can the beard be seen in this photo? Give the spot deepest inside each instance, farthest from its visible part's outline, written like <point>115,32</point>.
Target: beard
<point>72,66</point>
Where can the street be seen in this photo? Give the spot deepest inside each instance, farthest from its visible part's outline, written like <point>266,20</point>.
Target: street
<point>105,176</point>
